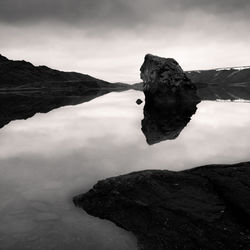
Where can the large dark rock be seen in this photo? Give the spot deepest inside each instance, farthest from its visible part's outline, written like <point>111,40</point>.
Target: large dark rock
<point>165,82</point>
<point>203,208</point>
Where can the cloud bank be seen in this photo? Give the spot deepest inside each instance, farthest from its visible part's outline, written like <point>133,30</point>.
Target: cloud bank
<point>108,38</point>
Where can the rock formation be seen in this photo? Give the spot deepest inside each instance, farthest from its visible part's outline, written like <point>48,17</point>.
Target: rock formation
<point>164,82</point>
<point>203,208</point>
<point>170,99</point>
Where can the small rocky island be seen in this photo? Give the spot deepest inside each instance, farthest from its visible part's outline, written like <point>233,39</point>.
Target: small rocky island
<point>202,208</point>
<point>170,99</point>
<point>165,83</point>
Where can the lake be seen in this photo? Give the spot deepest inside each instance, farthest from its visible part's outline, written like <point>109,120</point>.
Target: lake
<point>49,158</point>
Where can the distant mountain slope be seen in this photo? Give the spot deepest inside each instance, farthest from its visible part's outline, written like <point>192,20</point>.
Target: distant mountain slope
<point>221,75</point>
<point>223,83</point>
<point>23,75</point>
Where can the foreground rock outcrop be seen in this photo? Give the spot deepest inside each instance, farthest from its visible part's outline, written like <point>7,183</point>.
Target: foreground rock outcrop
<point>202,208</point>
<point>164,82</point>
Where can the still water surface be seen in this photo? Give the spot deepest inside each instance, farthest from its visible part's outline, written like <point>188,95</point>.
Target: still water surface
<point>49,158</point>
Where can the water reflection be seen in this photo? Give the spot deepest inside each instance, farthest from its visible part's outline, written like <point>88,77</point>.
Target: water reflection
<point>47,159</point>
<point>23,105</point>
<point>166,122</point>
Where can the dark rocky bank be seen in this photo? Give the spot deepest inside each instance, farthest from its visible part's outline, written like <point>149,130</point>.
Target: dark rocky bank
<point>202,208</point>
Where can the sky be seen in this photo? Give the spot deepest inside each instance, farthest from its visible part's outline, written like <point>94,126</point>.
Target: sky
<point>108,39</point>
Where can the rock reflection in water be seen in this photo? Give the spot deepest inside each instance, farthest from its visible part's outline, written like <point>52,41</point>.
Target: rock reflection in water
<point>167,122</point>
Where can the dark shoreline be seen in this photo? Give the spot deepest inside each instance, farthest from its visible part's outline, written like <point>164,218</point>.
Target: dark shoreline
<point>202,208</point>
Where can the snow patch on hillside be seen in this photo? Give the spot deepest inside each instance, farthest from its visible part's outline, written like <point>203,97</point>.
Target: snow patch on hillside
<point>237,100</point>
<point>220,69</point>
<point>233,68</point>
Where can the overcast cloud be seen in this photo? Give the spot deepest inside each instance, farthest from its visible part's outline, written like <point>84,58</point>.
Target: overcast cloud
<point>108,38</point>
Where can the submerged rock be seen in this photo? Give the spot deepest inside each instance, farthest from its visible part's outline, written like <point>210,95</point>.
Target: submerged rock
<point>139,101</point>
<point>165,82</point>
<point>202,208</point>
